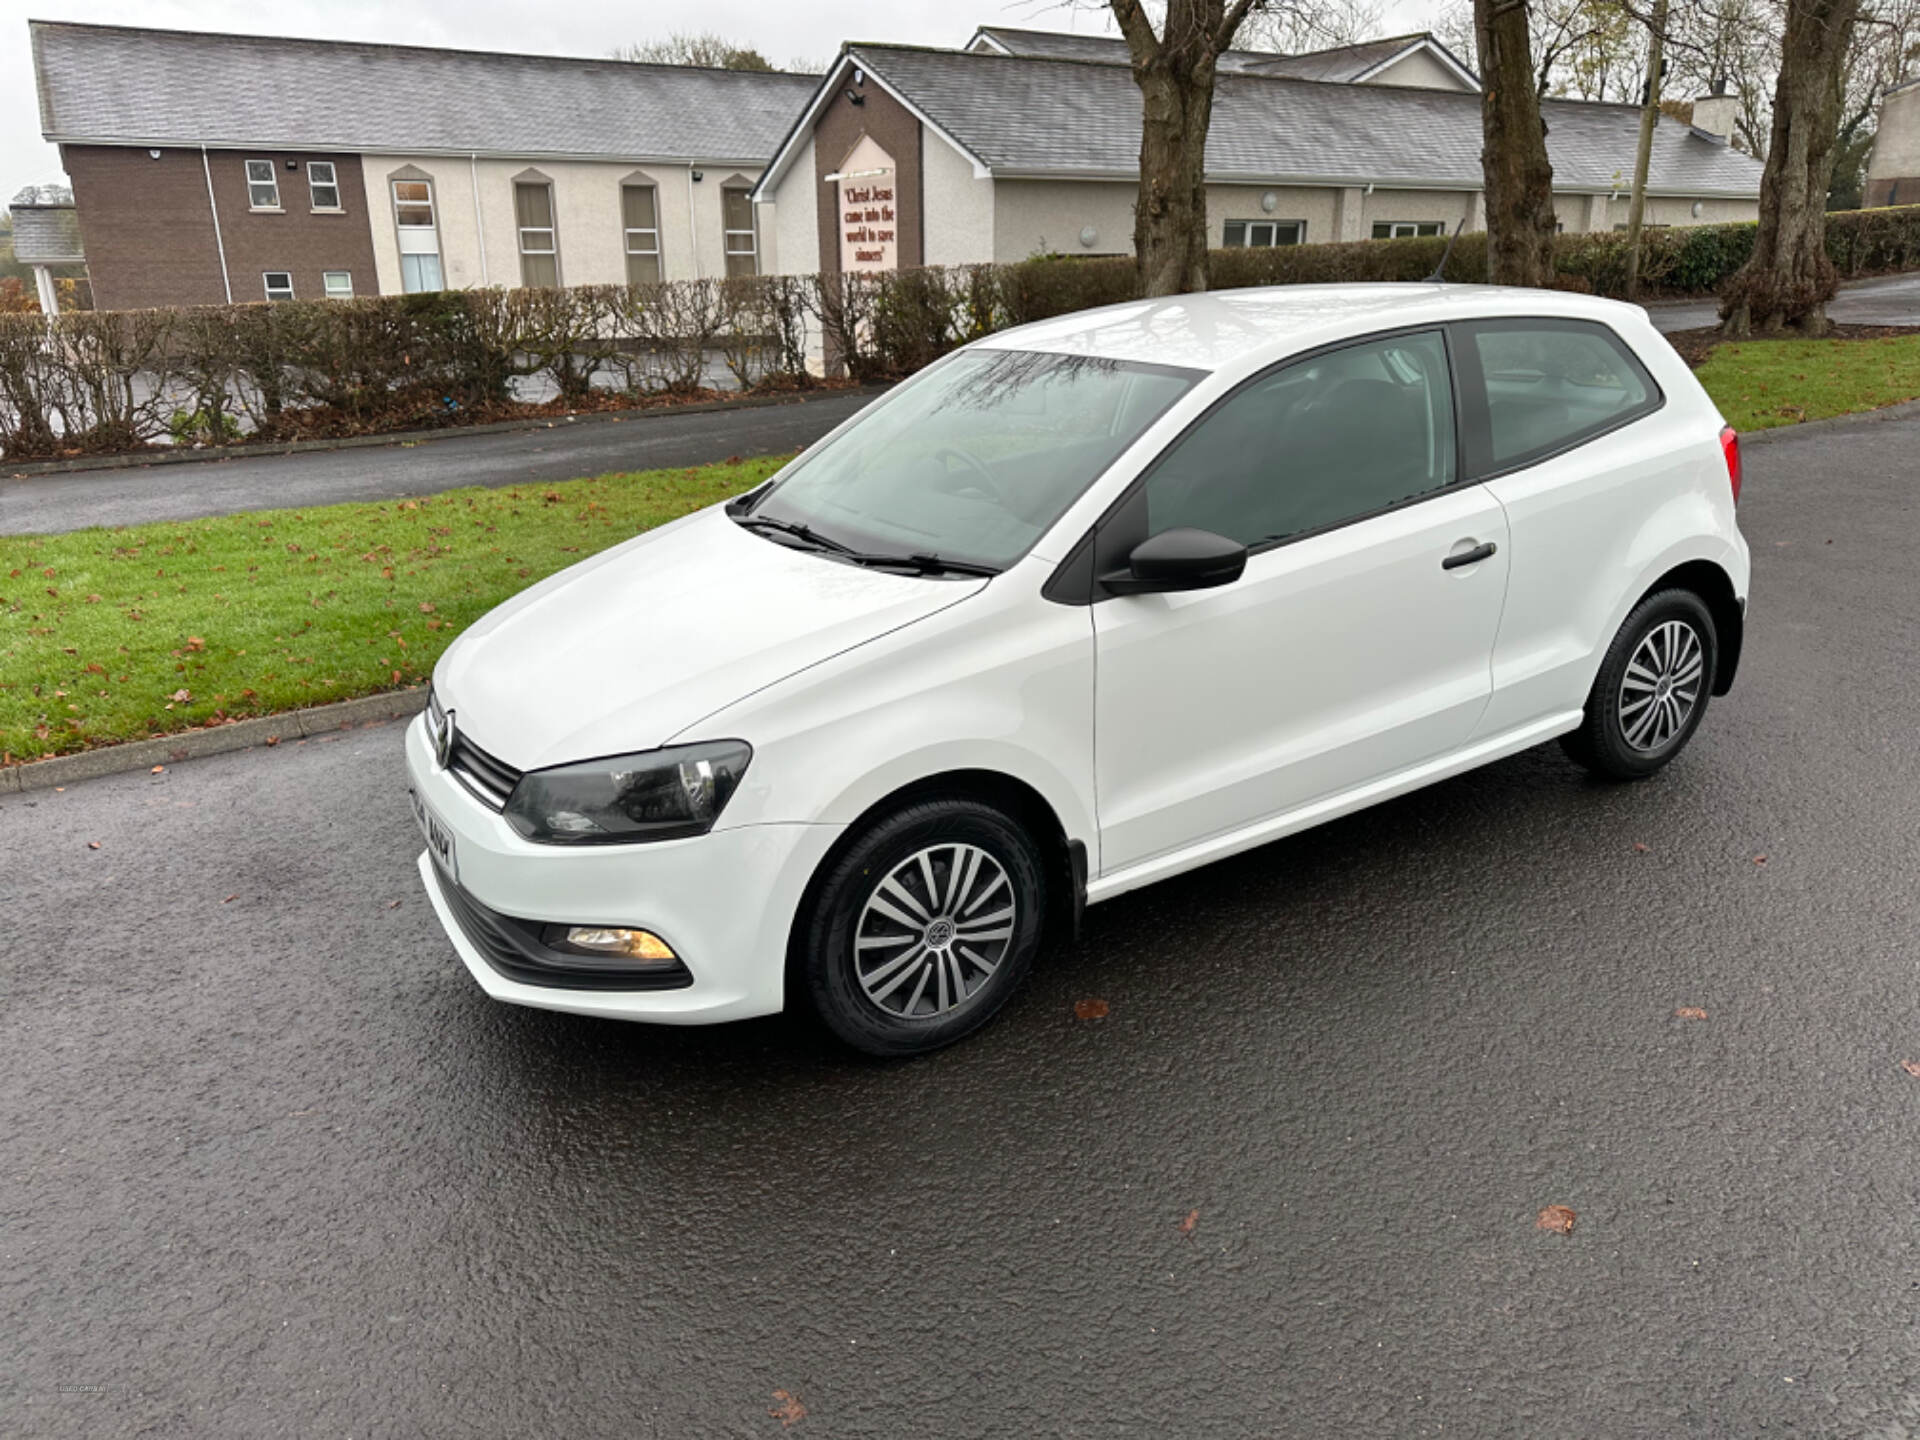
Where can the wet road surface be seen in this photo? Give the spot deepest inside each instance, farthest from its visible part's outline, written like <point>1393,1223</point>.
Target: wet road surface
<point>274,1167</point>
<point>641,441</point>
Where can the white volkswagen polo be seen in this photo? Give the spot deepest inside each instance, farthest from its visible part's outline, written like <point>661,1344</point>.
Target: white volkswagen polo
<point>1079,607</point>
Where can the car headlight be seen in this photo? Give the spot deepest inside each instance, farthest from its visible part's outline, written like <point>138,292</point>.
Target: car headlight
<point>655,795</point>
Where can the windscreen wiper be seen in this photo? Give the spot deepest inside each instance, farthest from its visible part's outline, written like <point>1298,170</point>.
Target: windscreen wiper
<point>920,564</point>
<point>803,533</point>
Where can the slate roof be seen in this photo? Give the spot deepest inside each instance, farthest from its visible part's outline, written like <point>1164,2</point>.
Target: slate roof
<point>46,228</point>
<point>110,84</point>
<point>1069,118</point>
<point>1344,63</point>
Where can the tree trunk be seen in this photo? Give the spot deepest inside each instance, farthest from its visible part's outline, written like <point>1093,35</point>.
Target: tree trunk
<point>1170,215</point>
<point>1786,283</point>
<point>1513,154</point>
<point>1643,156</point>
<point>1175,73</point>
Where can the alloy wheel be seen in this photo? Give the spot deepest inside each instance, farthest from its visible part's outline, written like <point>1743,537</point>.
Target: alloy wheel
<point>1661,685</point>
<point>934,931</point>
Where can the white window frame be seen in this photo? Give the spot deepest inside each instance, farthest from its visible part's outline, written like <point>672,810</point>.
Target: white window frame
<point>433,214</point>
<point>629,233</point>
<point>1272,229</point>
<point>1409,229</point>
<point>727,237</point>
<point>327,277</point>
<point>551,230</point>
<point>271,180</point>
<point>266,280</point>
<point>315,185</point>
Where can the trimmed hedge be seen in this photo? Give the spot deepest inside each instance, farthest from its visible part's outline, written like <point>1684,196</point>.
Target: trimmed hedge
<point>116,380</point>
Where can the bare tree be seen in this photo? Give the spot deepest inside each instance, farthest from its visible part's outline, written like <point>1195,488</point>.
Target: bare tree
<point>1586,49</point>
<point>1643,154</point>
<point>703,50</point>
<point>1293,29</point>
<point>1175,72</point>
<point>1513,152</point>
<point>1789,279</point>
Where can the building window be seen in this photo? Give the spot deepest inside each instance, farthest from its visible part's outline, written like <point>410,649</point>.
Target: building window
<point>642,221</point>
<point>322,186</point>
<point>539,252</point>
<point>263,191</point>
<point>419,235</point>
<point>1260,234</point>
<point>279,285</point>
<point>338,284</point>
<point>1401,229</point>
<point>736,222</point>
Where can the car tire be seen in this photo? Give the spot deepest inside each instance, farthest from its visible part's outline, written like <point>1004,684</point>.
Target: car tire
<point>1652,690</point>
<point>907,945</point>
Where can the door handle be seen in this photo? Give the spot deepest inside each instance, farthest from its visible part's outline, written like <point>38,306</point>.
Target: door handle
<point>1483,551</point>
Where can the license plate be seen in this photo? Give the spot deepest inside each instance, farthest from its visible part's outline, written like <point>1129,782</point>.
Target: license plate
<point>439,838</point>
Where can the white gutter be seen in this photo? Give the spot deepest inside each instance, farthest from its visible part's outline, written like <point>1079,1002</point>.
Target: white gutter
<point>479,229</point>
<point>214,207</point>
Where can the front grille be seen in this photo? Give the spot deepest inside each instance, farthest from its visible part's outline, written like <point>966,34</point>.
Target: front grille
<point>488,780</point>
<point>518,950</point>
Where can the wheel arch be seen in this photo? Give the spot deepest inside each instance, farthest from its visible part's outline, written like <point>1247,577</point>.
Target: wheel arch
<point>1065,858</point>
<point>1715,588</point>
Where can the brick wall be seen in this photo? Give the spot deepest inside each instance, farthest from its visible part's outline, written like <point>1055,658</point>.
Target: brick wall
<point>149,233</point>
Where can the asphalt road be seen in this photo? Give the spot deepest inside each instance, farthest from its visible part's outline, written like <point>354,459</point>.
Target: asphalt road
<point>1883,300</point>
<point>273,1166</point>
<point>642,441</point>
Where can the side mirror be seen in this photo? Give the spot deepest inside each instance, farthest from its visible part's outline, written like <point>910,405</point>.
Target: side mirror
<point>1178,560</point>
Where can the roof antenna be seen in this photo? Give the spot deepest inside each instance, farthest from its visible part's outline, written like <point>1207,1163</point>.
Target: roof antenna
<point>1438,276</point>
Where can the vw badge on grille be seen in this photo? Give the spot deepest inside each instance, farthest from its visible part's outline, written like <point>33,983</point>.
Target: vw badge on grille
<point>443,743</point>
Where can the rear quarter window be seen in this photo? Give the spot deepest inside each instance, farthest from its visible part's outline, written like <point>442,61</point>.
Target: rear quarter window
<point>1553,384</point>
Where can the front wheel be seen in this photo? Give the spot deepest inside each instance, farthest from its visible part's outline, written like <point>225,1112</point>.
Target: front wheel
<point>924,927</point>
<point>1651,692</point>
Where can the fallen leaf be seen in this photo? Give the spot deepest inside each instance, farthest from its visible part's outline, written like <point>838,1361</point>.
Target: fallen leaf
<point>158,770</point>
<point>788,1411</point>
<point>393,904</point>
<point>1186,1225</point>
<point>93,844</point>
<point>181,697</point>
<point>1557,1218</point>
<point>273,739</point>
<point>1759,859</point>
<point>1912,1067</point>
<point>230,899</point>
<point>1689,1012</point>
<point>1090,1009</point>
<point>426,607</point>
<point>1638,848</point>
<point>194,642</point>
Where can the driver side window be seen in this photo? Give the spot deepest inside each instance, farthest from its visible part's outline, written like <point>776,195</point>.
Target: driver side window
<point>1313,445</point>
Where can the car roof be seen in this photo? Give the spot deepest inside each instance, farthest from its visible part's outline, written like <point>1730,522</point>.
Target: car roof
<point>1222,329</point>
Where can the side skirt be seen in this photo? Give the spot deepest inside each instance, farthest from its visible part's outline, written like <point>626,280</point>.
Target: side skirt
<point>1331,807</point>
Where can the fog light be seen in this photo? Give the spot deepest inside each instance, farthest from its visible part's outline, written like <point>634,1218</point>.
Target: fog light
<point>641,945</point>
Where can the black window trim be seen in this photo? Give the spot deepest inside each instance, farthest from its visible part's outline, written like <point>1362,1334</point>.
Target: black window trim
<point>1475,421</point>
<point>1075,581</point>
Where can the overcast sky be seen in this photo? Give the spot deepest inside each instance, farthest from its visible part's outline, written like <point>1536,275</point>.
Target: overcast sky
<point>783,30</point>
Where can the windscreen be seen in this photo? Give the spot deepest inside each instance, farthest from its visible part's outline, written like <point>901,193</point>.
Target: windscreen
<point>974,458</point>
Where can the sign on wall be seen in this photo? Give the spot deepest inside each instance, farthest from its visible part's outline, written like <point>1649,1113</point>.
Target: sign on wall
<point>869,210</point>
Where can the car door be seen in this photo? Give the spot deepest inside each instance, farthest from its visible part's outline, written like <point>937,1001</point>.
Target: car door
<point>1561,422</point>
<point>1357,641</point>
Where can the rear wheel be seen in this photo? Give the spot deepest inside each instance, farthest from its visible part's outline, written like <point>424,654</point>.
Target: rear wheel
<point>1652,689</point>
<point>924,927</point>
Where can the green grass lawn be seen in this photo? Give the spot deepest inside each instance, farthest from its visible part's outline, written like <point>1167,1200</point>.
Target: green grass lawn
<point>110,635</point>
<point>1763,383</point>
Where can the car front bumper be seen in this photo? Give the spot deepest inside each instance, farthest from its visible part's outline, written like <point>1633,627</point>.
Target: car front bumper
<point>724,901</point>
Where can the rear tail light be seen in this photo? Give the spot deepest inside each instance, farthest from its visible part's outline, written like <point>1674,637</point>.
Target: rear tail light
<point>1730,447</point>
